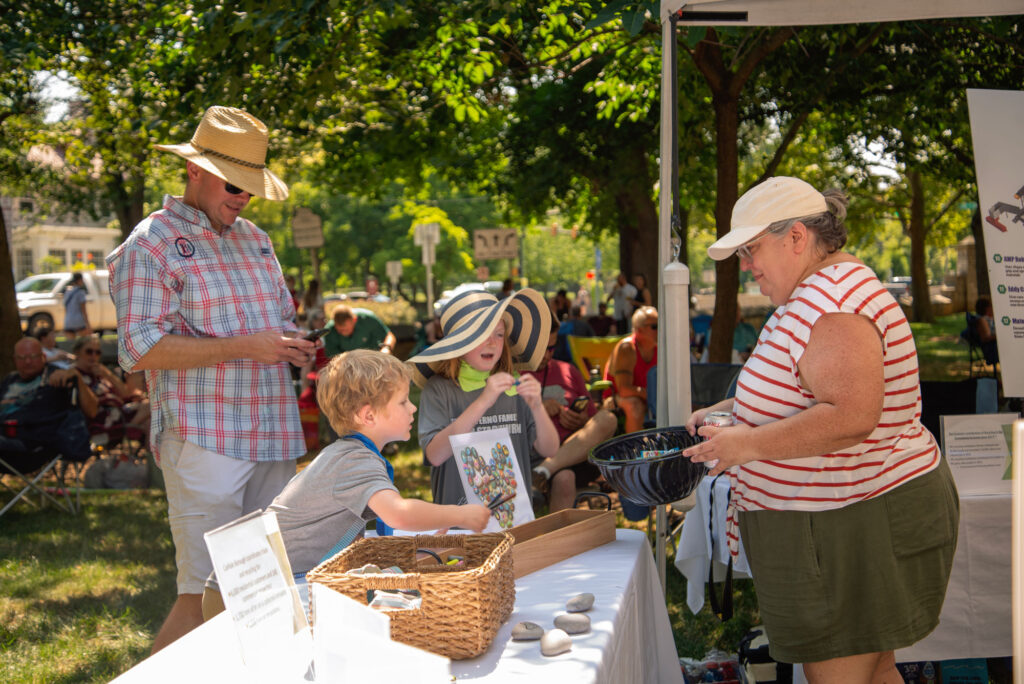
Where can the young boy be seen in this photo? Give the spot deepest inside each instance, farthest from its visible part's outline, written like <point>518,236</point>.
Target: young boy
<point>323,509</point>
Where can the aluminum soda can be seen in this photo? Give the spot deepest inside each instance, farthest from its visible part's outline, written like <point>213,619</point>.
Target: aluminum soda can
<point>717,419</point>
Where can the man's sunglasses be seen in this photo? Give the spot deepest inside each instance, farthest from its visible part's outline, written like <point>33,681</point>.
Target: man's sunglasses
<point>91,352</point>
<point>233,189</point>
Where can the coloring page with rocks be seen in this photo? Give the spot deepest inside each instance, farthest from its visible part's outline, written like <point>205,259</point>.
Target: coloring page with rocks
<point>491,477</point>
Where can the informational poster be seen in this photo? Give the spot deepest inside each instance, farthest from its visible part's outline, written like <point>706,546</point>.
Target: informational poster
<point>352,643</point>
<point>256,584</point>
<point>996,117</point>
<point>491,477</point>
<point>979,449</point>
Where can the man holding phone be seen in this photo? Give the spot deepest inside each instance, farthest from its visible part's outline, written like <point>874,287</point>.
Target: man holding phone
<point>203,308</point>
<point>580,423</point>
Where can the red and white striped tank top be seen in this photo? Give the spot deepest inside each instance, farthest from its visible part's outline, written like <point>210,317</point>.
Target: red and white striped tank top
<point>769,388</point>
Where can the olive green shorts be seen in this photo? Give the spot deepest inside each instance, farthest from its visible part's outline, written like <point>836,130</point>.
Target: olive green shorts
<point>866,578</point>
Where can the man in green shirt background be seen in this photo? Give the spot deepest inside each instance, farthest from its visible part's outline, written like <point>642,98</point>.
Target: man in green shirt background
<point>357,329</point>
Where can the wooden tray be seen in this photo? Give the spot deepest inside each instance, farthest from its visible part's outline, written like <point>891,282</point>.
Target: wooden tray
<point>545,541</point>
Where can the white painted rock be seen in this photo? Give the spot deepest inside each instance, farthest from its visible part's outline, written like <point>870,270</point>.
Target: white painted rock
<point>554,642</point>
<point>527,631</point>
<point>580,603</point>
<point>573,623</point>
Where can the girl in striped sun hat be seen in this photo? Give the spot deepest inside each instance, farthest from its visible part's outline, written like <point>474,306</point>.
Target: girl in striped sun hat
<point>470,382</point>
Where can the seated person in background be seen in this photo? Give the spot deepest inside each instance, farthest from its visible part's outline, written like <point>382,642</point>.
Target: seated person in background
<point>630,360</point>
<point>580,424</point>
<point>323,509</point>
<point>573,325</point>
<point>560,305</point>
<point>744,338</point>
<point>602,323</point>
<point>986,329</point>
<point>113,403</point>
<point>47,337</point>
<point>37,410</point>
<point>357,329</point>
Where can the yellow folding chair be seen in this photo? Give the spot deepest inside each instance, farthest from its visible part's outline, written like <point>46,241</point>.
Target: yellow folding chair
<point>590,355</point>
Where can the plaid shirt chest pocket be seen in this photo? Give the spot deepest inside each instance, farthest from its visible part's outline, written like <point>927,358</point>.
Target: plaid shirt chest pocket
<point>228,287</point>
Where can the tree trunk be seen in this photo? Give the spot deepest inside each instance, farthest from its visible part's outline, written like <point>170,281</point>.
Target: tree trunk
<point>130,202</point>
<point>638,229</point>
<point>10,321</point>
<point>727,272</point>
<point>980,262</point>
<point>922,306</point>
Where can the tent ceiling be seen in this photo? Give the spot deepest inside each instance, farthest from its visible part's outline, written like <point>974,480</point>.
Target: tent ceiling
<point>800,12</point>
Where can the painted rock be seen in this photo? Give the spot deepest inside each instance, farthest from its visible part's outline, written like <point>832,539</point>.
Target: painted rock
<point>573,623</point>
<point>580,603</point>
<point>555,641</point>
<point>527,631</point>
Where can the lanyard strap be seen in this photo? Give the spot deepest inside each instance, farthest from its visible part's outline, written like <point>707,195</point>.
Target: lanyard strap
<point>722,609</point>
<point>382,529</point>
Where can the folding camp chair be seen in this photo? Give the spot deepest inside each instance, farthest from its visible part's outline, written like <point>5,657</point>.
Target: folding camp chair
<point>980,355</point>
<point>28,467</point>
<point>590,355</point>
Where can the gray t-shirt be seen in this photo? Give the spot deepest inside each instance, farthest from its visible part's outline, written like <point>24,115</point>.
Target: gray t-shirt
<point>327,500</point>
<point>442,402</point>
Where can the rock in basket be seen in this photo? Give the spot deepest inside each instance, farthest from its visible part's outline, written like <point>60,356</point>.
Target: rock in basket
<point>462,606</point>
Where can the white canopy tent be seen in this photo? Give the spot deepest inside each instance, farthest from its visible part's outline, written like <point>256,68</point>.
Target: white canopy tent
<point>674,369</point>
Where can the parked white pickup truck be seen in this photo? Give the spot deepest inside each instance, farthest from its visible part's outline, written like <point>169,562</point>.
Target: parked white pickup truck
<point>41,300</point>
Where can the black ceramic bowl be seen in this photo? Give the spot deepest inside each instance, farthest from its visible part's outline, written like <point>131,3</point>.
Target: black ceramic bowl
<point>649,481</point>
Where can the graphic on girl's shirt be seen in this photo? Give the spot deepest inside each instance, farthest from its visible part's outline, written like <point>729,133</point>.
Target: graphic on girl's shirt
<point>491,477</point>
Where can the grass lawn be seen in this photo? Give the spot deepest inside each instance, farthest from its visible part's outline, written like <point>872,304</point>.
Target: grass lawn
<point>82,596</point>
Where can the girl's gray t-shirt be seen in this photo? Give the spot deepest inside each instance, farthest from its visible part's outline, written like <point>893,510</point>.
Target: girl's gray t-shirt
<point>327,499</point>
<point>441,402</point>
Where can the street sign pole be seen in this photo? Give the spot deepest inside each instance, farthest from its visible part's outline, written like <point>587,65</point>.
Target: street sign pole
<point>427,235</point>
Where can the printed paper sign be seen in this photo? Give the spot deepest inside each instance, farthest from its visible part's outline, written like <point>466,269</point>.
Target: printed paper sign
<point>256,583</point>
<point>978,449</point>
<point>490,473</point>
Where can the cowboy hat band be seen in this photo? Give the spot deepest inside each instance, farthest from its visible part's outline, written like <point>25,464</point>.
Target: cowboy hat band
<point>472,316</point>
<point>232,145</point>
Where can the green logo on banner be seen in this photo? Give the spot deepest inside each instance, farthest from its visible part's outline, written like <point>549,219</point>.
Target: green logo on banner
<point>998,258</point>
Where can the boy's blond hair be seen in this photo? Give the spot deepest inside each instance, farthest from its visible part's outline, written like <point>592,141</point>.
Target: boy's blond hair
<point>354,379</point>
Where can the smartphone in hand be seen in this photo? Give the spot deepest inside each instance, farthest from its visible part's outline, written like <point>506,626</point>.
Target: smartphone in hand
<point>579,404</point>
<point>315,335</point>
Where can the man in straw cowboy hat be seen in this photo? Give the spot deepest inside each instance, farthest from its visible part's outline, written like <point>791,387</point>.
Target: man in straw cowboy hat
<point>203,308</point>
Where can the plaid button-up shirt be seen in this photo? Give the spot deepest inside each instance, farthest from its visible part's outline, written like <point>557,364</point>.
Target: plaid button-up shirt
<point>175,275</point>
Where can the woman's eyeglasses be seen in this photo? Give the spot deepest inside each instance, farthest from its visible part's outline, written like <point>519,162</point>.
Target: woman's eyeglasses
<point>91,352</point>
<point>743,251</point>
<point>233,189</point>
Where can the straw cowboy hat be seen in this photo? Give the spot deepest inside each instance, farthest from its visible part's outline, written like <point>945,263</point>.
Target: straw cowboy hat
<point>232,145</point>
<point>470,317</point>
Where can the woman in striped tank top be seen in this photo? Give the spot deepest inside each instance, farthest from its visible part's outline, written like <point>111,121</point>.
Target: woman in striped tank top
<point>845,507</point>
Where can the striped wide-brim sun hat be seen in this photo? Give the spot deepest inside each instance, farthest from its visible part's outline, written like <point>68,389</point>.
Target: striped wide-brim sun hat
<point>471,317</point>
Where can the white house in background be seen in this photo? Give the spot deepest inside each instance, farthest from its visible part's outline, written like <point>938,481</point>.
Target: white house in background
<point>35,231</point>
<point>34,234</point>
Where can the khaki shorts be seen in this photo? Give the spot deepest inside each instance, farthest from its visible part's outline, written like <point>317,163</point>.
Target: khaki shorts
<point>206,490</point>
<point>866,578</point>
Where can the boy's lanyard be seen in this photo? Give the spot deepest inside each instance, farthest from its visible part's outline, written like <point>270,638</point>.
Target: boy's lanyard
<point>382,529</point>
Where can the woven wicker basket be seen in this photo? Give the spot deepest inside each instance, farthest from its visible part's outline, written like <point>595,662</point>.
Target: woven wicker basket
<point>462,607</point>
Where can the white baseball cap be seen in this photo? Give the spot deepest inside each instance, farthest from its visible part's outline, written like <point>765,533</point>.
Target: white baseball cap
<point>776,199</point>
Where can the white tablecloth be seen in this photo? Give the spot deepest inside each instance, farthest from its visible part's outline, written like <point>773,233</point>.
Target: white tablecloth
<point>630,637</point>
<point>697,546</point>
<point>976,618</point>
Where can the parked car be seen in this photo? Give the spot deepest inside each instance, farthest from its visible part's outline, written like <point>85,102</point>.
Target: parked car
<point>41,300</point>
